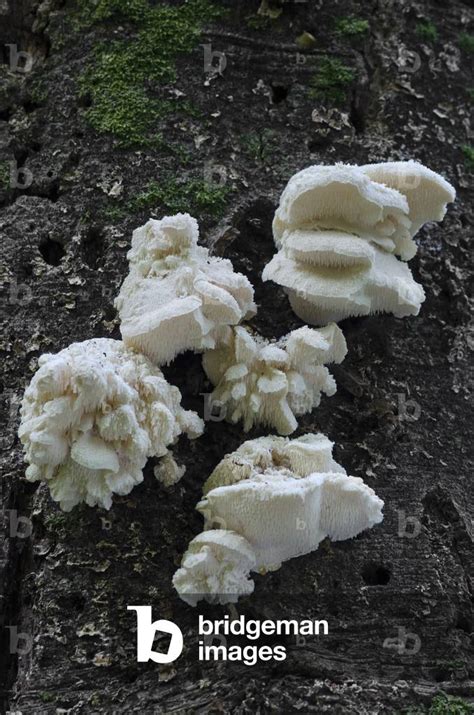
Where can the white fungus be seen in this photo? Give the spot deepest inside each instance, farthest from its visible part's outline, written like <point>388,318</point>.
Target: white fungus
<point>176,295</point>
<point>92,415</point>
<point>339,230</point>
<point>216,567</point>
<point>266,383</point>
<point>282,497</point>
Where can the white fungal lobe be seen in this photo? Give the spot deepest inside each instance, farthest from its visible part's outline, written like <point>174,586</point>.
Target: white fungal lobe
<point>92,415</point>
<point>216,567</point>
<point>266,383</point>
<point>339,230</point>
<point>282,497</point>
<point>176,295</point>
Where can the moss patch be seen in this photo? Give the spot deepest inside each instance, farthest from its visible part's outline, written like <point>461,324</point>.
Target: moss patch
<point>56,523</point>
<point>468,152</point>
<point>193,196</point>
<point>351,26</point>
<point>47,697</point>
<point>4,175</point>
<point>117,81</point>
<point>427,31</point>
<point>331,80</point>
<point>466,42</point>
<point>258,22</point>
<point>260,146</point>
<point>444,705</point>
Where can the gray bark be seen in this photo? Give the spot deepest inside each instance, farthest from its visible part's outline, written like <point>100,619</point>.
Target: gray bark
<point>400,418</point>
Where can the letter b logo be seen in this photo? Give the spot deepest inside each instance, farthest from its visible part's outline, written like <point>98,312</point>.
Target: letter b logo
<point>146,630</point>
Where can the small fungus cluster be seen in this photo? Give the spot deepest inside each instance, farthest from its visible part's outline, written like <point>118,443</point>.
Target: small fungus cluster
<point>92,415</point>
<point>176,295</point>
<point>266,383</point>
<point>269,501</point>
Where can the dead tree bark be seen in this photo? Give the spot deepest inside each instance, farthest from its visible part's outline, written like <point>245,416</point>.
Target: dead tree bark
<point>399,598</point>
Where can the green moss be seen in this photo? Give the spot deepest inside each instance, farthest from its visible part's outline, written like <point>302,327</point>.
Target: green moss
<point>117,80</point>
<point>466,42</point>
<point>193,196</point>
<point>39,92</point>
<point>261,145</point>
<point>56,523</point>
<point>470,92</point>
<point>47,697</point>
<point>444,704</point>
<point>93,11</point>
<point>427,31</point>
<point>95,699</point>
<point>331,80</point>
<point>4,175</point>
<point>114,212</point>
<point>258,22</point>
<point>468,152</point>
<point>351,26</point>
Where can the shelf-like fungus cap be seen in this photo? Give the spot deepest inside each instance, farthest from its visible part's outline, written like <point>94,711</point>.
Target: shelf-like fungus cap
<point>301,456</point>
<point>176,296</point>
<point>283,516</point>
<point>215,568</point>
<point>320,294</point>
<point>341,197</point>
<point>282,497</point>
<point>92,415</point>
<point>384,203</point>
<point>332,249</point>
<point>427,192</point>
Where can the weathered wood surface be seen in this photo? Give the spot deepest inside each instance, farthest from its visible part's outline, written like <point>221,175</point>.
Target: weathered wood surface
<point>400,418</point>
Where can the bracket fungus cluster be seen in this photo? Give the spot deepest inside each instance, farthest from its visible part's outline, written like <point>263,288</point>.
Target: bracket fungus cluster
<point>94,412</point>
<point>271,500</point>
<point>266,383</point>
<point>91,416</point>
<point>339,230</point>
<point>176,295</point>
